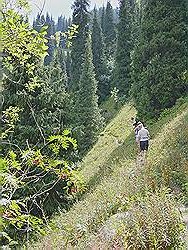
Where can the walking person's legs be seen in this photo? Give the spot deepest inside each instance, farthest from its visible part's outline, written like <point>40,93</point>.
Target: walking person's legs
<point>143,151</point>
<point>146,151</point>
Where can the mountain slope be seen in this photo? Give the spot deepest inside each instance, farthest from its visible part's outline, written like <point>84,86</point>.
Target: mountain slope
<point>115,176</point>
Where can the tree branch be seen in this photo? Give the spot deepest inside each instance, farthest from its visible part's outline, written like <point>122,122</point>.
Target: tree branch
<point>39,128</point>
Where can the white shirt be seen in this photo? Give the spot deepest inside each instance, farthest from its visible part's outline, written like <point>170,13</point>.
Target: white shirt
<point>143,134</point>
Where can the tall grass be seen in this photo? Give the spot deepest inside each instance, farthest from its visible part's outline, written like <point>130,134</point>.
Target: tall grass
<point>113,177</point>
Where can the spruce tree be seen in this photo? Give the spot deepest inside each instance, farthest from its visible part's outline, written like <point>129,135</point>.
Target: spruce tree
<point>109,30</point>
<point>116,14</point>
<point>103,19</point>
<point>36,23</point>
<point>60,58</point>
<point>51,43</point>
<point>60,24</point>
<point>68,66</point>
<point>99,60</point>
<point>53,98</point>
<point>69,22</point>
<point>81,18</point>
<point>159,63</point>
<point>39,22</point>
<point>87,118</point>
<point>122,78</point>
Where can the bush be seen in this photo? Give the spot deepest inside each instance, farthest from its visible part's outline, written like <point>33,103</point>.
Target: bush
<point>35,182</point>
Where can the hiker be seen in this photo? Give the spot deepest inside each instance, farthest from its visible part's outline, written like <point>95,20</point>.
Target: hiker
<point>134,122</point>
<point>136,126</point>
<point>143,138</point>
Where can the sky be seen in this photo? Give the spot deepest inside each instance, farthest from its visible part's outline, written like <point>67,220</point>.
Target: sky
<point>58,7</point>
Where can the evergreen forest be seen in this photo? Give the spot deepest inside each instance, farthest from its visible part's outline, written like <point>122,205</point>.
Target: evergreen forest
<point>72,176</point>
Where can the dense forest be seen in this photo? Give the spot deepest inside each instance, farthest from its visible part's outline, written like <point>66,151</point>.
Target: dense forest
<point>58,79</point>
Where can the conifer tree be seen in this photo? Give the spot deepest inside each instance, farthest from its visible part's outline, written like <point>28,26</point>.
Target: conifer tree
<point>68,66</point>
<point>60,58</point>
<point>87,118</point>
<point>53,98</point>
<point>36,23</point>
<point>81,18</point>
<point>103,19</point>
<point>109,30</point>
<point>60,24</point>
<point>99,60</point>
<point>122,78</point>
<point>39,22</point>
<point>159,64</point>
<point>51,44</point>
<point>63,23</point>
<point>69,22</point>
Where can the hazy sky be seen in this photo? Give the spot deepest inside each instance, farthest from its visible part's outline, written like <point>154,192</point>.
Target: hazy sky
<point>58,7</point>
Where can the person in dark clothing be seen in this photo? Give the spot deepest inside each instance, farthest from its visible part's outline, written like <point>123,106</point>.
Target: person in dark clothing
<point>134,122</point>
<point>136,126</point>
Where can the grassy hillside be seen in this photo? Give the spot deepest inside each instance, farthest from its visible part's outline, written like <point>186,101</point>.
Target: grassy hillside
<point>128,204</point>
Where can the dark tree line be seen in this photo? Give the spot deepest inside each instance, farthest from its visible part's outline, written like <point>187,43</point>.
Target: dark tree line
<point>151,55</point>
<point>160,56</point>
<point>61,26</point>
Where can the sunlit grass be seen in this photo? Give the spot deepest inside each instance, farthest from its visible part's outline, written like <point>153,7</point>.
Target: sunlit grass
<point>120,176</point>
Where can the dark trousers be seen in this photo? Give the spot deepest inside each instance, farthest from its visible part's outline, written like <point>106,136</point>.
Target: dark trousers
<point>144,145</point>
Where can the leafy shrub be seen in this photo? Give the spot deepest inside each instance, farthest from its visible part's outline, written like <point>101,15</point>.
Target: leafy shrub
<point>33,183</point>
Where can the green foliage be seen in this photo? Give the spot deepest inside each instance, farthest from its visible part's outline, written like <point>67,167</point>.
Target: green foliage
<point>23,43</point>
<point>39,93</point>
<point>36,179</point>
<point>80,19</point>
<point>70,34</point>
<point>61,142</point>
<point>52,98</point>
<point>99,60</point>
<point>87,119</point>
<point>109,30</point>
<point>27,178</point>
<point>159,59</point>
<point>49,22</point>
<point>24,50</point>
<point>9,117</point>
<point>122,70</point>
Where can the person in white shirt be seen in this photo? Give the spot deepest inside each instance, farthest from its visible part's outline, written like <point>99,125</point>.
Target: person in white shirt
<point>143,137</point>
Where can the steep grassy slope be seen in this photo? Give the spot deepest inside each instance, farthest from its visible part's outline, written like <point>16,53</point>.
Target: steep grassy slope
<point>115,177</point>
